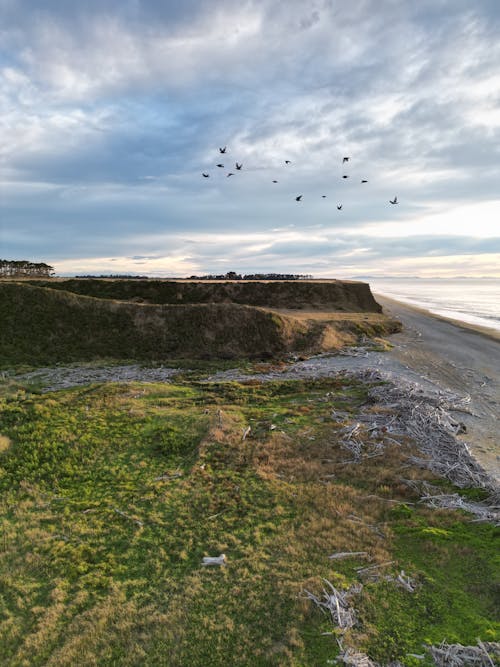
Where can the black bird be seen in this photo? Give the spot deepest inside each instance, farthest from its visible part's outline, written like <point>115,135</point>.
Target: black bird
<point>345,176</point>
<point>323,196</point>
<point>230,174</point>
<point>238,166</point>
<point>275,181</point>
<point>222,150</point>
<point>393,201</point>
<point>298,198</point>
<point>205,175</point>
<point>339,207</point>
<point>221,166</point>
<point>364,181</point>
<point>287,162</point>
<point>346,159</point>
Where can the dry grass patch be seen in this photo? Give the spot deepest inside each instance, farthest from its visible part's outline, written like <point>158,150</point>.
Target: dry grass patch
<point>5,443</point>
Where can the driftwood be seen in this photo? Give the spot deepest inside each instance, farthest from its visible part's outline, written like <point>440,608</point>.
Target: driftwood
<point>404,580</point>
<point>168,476</point>
<point>246,433</point>
<point>214,560</point>
<point>355,659</point>
<point>127,516</point>
<point>348,554</point>
<point>485,654</point>
<point>353,441</point>
<point>337,604</point>
<point>487,511</point>
<point>363,570</point>
<point>372,526</point>
<point>425,416</point>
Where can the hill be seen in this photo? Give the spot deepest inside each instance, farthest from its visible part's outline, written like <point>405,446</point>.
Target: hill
<point>343,296</point>
<point>43,325</point>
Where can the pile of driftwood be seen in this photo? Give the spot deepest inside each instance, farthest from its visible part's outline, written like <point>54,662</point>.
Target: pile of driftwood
<point>353,441</point>
<point>425,416</point>
<point>336,603</point>
<point>355,658</point>
<point>485,654</point>
<point>489,511</point>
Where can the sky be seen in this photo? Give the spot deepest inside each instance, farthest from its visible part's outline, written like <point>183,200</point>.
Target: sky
<point>111,110</point>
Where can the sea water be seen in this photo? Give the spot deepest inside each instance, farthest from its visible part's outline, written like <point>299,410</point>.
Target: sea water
<point>475,301</point>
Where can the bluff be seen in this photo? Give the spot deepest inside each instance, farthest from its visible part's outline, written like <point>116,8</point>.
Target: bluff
<point>45,325</point>
<point>338,295</point>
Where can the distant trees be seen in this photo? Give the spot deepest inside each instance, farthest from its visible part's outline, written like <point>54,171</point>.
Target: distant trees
<point>11,268</point>
<point>113,276</point>
<point>232,275</point>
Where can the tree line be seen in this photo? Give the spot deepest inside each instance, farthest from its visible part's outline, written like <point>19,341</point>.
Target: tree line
<point>12,268</point>
<point>114,276</point>
<point>232,275</point>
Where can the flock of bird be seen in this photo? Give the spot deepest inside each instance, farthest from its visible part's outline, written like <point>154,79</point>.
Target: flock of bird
<point>298,198</point>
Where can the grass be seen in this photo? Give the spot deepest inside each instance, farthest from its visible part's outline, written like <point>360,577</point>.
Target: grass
<point>49,325</point>
<point>302,294</point>
<point>82,583</point>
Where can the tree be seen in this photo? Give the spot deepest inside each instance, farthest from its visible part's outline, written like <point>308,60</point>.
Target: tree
<point>12,268</point>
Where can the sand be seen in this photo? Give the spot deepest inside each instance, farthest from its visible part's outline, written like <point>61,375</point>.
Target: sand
<point>459,357</point>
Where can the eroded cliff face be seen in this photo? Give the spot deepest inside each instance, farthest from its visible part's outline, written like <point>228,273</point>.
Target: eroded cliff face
<point>41,325</point>
<point>335,295</point>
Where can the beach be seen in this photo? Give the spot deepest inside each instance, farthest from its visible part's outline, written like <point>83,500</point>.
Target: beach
<point>459,357</point>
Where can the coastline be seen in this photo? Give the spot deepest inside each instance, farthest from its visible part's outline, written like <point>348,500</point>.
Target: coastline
<point>489,332</point>
<point>456,357</point>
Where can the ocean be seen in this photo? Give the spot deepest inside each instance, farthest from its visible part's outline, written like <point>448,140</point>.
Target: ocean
<point>476,301</point>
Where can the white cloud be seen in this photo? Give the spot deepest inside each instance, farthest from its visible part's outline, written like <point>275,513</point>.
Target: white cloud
<point>479,220</point>
<point>109,116</point>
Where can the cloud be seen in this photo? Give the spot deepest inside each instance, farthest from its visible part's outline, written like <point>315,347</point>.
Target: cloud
<point>111,110</point>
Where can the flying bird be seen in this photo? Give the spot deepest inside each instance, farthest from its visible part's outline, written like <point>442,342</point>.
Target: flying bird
<point>287,162</point>
<point>298,198</point>
<point>275,181</point>
<point>393,201</point>
<point>339,207</point>
<point>222,150</point>
<point>205,175</point>
<point>323,196</point>
<point>346,159</point>
<point>364,181</point>
<point>230,174</point>
<point>238,166</point>
<point>345,176</point>
<point>221,166</point>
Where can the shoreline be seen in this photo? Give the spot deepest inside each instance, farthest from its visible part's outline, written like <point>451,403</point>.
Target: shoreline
<point>458,358</point>
<point>488,332</point>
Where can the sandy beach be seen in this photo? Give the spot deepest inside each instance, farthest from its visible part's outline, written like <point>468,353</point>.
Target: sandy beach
<point>459,357</point>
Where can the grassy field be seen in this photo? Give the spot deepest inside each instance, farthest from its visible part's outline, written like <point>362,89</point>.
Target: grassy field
<point>112,494</point>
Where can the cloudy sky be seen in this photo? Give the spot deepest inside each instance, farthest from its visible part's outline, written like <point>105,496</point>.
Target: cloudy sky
<point>110,110</point>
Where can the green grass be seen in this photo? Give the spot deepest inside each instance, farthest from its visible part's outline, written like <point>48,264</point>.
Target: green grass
<point>453,561</point>
<point>82,583</point>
